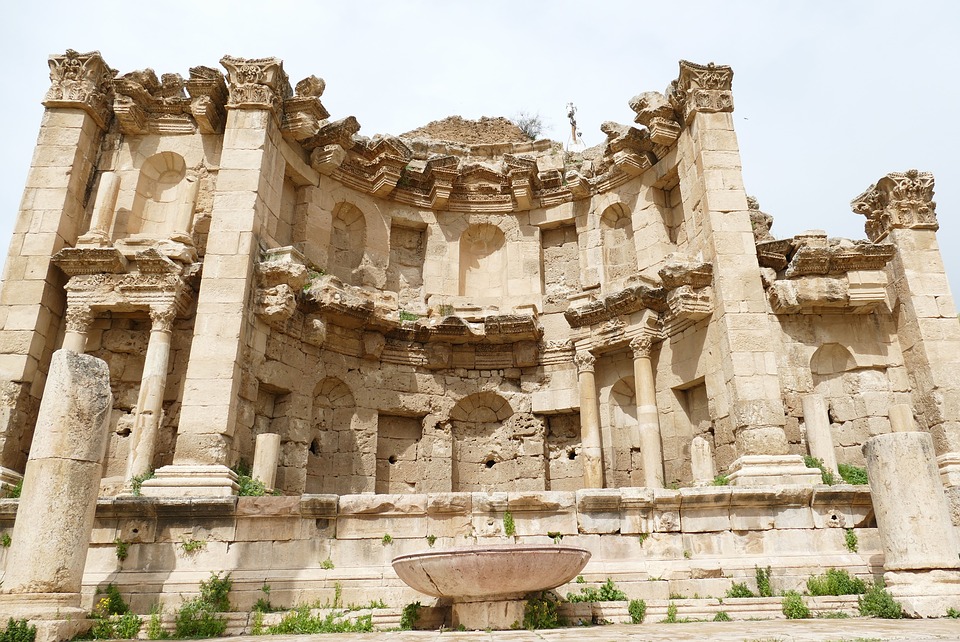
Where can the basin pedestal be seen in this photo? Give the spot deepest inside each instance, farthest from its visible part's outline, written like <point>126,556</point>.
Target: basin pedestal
<point>498,614</point>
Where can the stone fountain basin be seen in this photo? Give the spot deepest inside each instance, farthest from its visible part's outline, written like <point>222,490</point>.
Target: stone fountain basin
<point>490,572</point>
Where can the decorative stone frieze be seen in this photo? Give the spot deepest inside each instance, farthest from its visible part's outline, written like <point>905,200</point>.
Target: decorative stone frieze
<point>630,299</point>
<point>208,99</point>
<point>630,148</point>
<point>90,260</point>
<point>898,200</point>
<point>701,89</point>
<point>143,104</point>
<point>257,83</point>
<point>83,81</point>
<point>304,114</point>
<point>689,297</point>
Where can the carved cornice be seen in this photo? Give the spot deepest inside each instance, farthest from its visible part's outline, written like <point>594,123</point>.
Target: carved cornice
<point>898,200</point>
<point>208,99</point>
<point>259,83</point>
<point>679,271</point>
<point>90,260</point>
<point>701,89</point>
<point>656,113</point>
<point>81,80</point>
<point>628,300</point>
<point>143,104</point>
<point>304,114</point>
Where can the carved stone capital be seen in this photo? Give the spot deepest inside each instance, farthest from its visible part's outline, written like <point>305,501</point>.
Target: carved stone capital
<point>257,84</point>
<point>161,318</point>
<point>641,346</point>
<point>584,361</point>
<point>208,97</point>
<point>898,200</point>
<point>81,81</point>
<point>79,318</point>
<point>701,89</point>
<point>304,114</point>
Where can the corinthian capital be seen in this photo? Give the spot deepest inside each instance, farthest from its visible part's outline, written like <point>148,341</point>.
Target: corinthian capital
<point>584,361</point>
<point>641,346</point>
<point>161,319</point>
<point>701,89</point>
<point>898,200</point>
<point>259,83</point>
<point>82,81</point>
<point>79,318</point>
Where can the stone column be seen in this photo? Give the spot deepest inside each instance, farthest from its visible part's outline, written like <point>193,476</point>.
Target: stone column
<point>55,516</point>
<point>266,455</point>
<point>590,442</point>
<point>819,437</point>
<point>703,470</point>
<point>900,210</point>
<point>920,548</point>
<point>249,186</point>
<point>901,418</point>
<point>51,217</point>
<point>146,425</point>
<point>79,319</point>
<point>648,417</point>
<point>185,210</point>
<point>711,189</point>
<point>103,211</point>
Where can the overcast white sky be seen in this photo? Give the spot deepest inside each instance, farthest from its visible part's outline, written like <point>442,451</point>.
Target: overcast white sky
<point>829,96</point>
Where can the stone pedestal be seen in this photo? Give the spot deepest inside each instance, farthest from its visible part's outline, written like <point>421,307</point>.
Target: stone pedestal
<point>191,481</point>
<point>919,542</point>
<point>819,437</point>
<point>266,455</point>
<point>55,516</point>
<point>497,615</point>
<point>767,470</point>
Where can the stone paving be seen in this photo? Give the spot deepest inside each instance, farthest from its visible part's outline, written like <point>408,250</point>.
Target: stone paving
<point>850,630</point>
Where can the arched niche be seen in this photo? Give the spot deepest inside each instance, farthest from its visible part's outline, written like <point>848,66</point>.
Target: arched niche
<point>483,264</point>
<point>624,466</point>
<point>161,191</point>
<point>348,238</point>
<point>332,452</point>
<point>619,249</point>
<point>482,454</point>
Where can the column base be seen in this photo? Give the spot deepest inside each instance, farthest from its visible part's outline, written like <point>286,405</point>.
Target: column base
<point>191,481</point>
<point>927,593</point>
<point>57,616</point>
<point>497,615</point>
<point>772,470</point>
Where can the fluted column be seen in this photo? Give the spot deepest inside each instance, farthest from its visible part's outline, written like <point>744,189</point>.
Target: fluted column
<point>150,400</point>
<point>591,445</point>
<point>648,417</point>
<point>79,318</point>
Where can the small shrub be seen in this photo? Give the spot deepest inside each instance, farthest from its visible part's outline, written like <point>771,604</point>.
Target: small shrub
<point>721,480</point>
<point>431,540</point>
<point>408,316</point>
<point>686,555</point>
<point>793,606</point>
<point>643,537</point>
<point>556,536</point>
<point>136,482</point>
<point>300,621</point>
<point>6,540</point>
<point>763,582</point>
<point>541,613</point>
<point>249,487</point>
<point>192,545</point>
<point>853,474</point>
<point>509,527</point>
<point>671,614</point>
<point>721,616</point>
<point>607,592</point>
<point>337,595</point>
<point>409,616</point>
<point>127,626</point>
<point>326,564</point>
<point>377,604</point>
<point>637,610</point>
<point>815,462</point>
<point>197,619</point>
<point>530,124</point>
<point>953,613</point>
<point>263,605</point>
<point>387,539</point>
<point>256,627</point>
<point>18,631</point>
<point>740,589</point>
<point>835,582</point>
<point>122,549</point>
<point>877,602</point>
<point>155,629</point>
<point>16,490</point>
<point>850,538</point>
<point>112,603</point>
<point>832,615</point>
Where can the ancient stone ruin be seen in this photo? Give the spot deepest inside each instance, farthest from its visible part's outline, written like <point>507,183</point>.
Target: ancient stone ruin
<point>411,338</point>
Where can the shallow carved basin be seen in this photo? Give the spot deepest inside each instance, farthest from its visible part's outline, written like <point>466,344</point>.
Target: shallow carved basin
<point>490,572</point>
